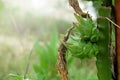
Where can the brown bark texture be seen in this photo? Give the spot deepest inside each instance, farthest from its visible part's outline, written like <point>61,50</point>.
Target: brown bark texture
<point>75,5</point>
<point>117,12</point>
<point>61,61</point>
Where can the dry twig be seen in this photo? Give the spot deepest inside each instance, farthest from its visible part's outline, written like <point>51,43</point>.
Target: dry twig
<point>61,62</point>
<point>112,22</point>
<point>76,7</point>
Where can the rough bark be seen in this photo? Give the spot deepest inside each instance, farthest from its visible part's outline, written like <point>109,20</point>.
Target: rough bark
<point>61,61</point>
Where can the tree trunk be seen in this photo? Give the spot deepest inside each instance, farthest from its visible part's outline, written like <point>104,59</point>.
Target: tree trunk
<point>117,12</point>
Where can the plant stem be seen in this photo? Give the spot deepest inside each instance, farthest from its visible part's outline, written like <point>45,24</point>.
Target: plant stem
<point>61,62</point>
<point>103,62</point>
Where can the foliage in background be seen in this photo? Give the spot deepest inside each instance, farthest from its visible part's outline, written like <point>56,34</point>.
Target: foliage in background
<point>47,53</point>
<point>35,27</point>
<point>1,5</point>
<point>45,68</point>
<point>45,64</point>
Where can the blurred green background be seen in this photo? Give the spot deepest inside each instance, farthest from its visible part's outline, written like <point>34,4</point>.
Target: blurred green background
<point>29,38</point>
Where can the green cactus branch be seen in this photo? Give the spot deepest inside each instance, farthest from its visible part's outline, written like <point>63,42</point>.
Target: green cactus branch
<point>103,58</point>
